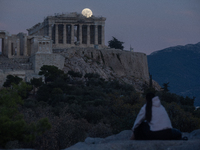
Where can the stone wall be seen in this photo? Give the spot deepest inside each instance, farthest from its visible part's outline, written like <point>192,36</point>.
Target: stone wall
<point>20,73</point>
<point>2,77</point>
<point>40,59</point>
<point>26,75</point>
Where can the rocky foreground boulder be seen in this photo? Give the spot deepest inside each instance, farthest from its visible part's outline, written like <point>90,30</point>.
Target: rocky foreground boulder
<point>121,142</point>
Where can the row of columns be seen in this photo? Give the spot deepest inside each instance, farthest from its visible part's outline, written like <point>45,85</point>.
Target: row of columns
<point>17,48</point>
<point>80,34</point>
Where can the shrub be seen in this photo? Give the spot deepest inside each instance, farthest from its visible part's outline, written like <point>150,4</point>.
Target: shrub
<point>36,82</point>
<point>94,114</point>
<point>43,93</point>
<point>11,79</point>
<point>100,130</point>
<point>75,74</point>
<point>51,73</point>
<point>180,119</point>
<point>92,75</point>
<point>65,130</point>
<point>197,113</point>
<point>12,124</point>
<point>22,89</point>
<point>122,115</point>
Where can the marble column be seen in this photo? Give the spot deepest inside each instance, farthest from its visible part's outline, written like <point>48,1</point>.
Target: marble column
<point>9,49</point>
<point>64,34</point>
<point>17,47</point>
<point>50,29</point>
<point>103,35</point>
<point>96,35</point>
<point>88,34</point>
<point>80,33</point>
<point>72,34</point>
<point>25,46</point>
<point>56,33</point>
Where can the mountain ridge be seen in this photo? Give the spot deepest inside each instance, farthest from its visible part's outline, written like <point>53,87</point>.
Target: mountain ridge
<point>178,46</point>
<point>180,66</point>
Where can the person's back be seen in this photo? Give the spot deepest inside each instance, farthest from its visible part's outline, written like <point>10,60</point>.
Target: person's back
<point>153,122</point>
<point>160,119</point>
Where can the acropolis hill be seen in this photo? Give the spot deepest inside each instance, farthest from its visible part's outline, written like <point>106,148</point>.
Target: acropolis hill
<point>71,42</point>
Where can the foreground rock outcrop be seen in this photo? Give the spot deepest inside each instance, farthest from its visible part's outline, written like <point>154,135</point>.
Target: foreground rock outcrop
<point>121,142</point>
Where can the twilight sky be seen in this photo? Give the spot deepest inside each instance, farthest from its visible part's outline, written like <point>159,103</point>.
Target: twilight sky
<point>146,25</point>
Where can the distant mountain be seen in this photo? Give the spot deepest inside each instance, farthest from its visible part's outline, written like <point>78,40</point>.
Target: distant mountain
<point>180,66</point>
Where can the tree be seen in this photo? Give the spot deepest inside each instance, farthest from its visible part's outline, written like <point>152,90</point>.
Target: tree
<point>92,75</point>
<point>36,83</point>
<point>50,72</point>
<point>12,123</point>
<point>115,43</point>
<point>165,87</point>
<point>22,89</point>
<point>11,79</point>
<point>75,74</point>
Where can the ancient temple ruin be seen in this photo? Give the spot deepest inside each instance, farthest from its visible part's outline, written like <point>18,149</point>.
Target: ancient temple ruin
<point>45,40</point>
<point>60,31</point>
<point>73,29</point>
<point>23,46</point>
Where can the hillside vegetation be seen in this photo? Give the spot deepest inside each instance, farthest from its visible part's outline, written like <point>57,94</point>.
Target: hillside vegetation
<point>79,106</point>
<point>180,66</point>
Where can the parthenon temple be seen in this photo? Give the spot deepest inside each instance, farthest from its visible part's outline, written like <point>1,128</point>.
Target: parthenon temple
<point>57,32</point>
<point>67,30</point>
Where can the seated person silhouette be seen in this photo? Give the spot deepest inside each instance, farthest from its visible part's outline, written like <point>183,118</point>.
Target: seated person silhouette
<point>153,122</point>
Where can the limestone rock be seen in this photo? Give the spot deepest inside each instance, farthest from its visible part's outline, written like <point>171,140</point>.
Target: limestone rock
<point>121,142</point>
<point>125,66</point>
<point>195,134</point>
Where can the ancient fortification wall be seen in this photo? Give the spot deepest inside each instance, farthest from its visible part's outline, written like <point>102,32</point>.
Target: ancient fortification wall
<point>26,75</point>
<point>39,60</point>
<point>126,66</point>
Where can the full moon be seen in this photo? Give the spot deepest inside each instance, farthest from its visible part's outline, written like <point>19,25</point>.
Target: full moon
<point>87,12</point>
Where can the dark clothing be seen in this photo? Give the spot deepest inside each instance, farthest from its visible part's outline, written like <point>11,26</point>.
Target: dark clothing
<point>143,132</point>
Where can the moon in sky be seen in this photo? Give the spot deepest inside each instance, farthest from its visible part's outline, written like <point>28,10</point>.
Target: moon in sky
<point>87,12</point>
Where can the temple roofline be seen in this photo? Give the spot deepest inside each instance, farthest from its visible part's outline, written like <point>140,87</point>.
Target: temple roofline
<point>74,16</point>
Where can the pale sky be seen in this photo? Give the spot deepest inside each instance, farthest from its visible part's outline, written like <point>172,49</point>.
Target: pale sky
<point>146,25</point>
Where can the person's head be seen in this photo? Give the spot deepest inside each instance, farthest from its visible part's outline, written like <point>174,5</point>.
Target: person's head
<point>148,114</point>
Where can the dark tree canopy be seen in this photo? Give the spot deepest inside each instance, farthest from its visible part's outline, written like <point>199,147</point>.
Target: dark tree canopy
<point>50,72</point>
<point>115,43</point>
<point>12,79</point>
<point>36,82</point>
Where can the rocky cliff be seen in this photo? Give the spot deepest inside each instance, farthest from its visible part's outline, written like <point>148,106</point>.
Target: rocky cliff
<point>124,66</point>
<point>122,63</point>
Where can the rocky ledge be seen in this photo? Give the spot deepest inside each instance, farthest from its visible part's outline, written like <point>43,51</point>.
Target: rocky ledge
<point>121,142</point>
